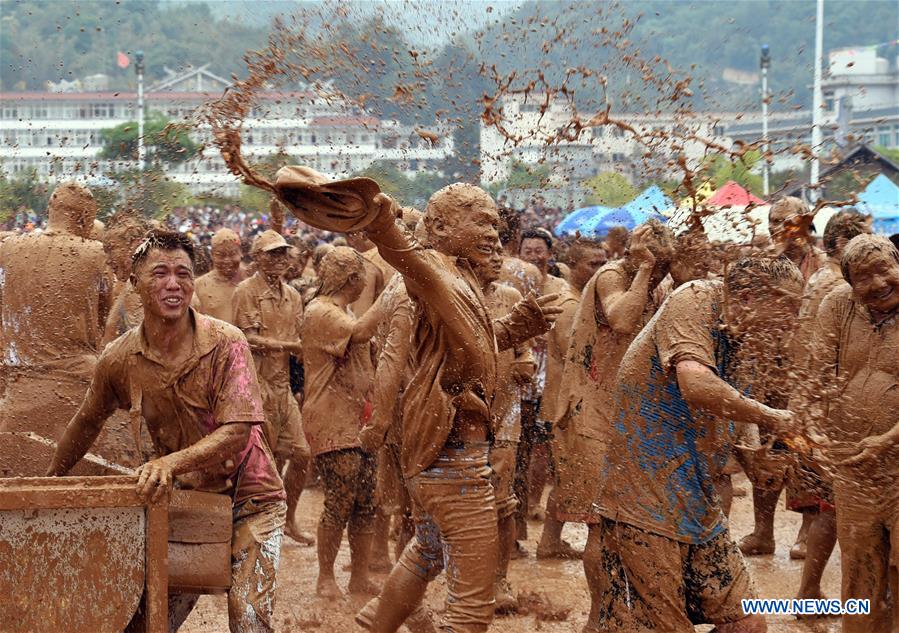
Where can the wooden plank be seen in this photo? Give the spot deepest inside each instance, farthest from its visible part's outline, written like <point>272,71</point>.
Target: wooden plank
<point>157,589</point>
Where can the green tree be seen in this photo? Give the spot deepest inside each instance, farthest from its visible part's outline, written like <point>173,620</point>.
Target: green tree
<point>409,192</point>
<point>610,189</point>
<point>24,191</point>
<point>524,176</point>
<point>891,153</point>
<point>153,192</point>
<point>165,142</point>
<point>719,170</point>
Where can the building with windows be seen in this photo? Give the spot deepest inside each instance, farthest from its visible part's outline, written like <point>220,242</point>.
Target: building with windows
<point>536,130</point>
<point>861,106</point>
<point>58,133</point>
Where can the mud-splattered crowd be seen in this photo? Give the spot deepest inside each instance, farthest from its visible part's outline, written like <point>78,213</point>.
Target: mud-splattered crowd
<point>438,367</point>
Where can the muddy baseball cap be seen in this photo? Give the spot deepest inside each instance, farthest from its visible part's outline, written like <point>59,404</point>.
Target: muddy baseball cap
<point>333,205</point>
<point>268,241</point>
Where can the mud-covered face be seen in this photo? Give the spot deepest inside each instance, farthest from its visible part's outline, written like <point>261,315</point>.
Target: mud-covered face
<point>226,259</point>
<point>473,235</point>
<point>490,272</point>
<point>165,282</point>
<point>535,251</point>
<point>875,282</point>
<point>587,262</point>
<point>273,264</point>
<point>788,228</point>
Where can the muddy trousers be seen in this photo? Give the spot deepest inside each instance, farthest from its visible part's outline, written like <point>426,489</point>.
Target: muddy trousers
<point>868,532</point>
<point>455,529</point>
<point>255,554</point>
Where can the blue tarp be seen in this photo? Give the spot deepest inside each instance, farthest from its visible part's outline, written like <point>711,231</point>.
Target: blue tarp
<point>596,221</point>
<point>578,220</point>
<point>649,204</point>
<point>880,199</point>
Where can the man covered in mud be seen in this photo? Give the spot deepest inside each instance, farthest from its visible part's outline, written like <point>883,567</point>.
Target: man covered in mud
<point>125,232</point>
<point>789,223</point>
<point>668,560</point>
<point>270,314</point>
<point>807,491</point>
<point>338,363</point>
<point>215,289</point>
<point>854,360</point>
<point>584,257</point>
<point>447,406</point>
<point>536,248</point>
<point>614,306</point>
<point>54,298</point>
<point>515,368</point>
<point>191,379</point>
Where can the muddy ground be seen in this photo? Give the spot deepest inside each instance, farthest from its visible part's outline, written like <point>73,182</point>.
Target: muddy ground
<point>562,582</point>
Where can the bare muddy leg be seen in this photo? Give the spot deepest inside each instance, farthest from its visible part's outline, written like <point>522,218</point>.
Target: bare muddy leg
<point>294,482</point>
<point>593,572</point>
<point>822,536</point>
<point>380,559</point>
<point>328,545</point>
<point>797,552</point>
<point>761,541</point>
<point>360,538</point>
<point>505,600</point>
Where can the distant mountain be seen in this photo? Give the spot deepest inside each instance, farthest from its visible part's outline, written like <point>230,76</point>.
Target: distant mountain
<point>412,59</point>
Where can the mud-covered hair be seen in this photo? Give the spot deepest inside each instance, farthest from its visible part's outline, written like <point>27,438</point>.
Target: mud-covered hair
<point>753,273</point>
<point>846,224</point>
<point>163,240</point>
<point>538,234</point>
<point>861,247</point>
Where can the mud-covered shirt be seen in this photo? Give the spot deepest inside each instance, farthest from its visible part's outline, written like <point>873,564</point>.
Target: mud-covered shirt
<point>213,296</point>
<point>662,456</point>
<point>259,309</point>
<point>855,363</point>
<point>215,386</point>
<point>338,378</point>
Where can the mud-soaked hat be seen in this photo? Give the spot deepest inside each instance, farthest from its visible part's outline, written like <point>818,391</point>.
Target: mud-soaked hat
<point>333,205</point>
<point>268,241</point>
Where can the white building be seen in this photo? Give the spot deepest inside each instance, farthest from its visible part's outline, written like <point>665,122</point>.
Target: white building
<point>59,133</point>
<point>861,105</point>
<point>537,131</point>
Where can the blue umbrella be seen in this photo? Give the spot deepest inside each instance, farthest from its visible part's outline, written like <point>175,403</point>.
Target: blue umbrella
<point>578,220</point>
<point>647,205</point>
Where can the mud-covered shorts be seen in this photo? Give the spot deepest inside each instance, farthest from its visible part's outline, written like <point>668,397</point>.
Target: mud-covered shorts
<point>653,583</point>
<point>348,479</point>
<point>283,426</point>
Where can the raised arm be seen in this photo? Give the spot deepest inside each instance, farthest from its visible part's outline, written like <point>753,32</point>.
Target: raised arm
<point>623,305</point>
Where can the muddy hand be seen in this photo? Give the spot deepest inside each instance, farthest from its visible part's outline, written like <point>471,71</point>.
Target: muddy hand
<point>388,211</point>
<point>869,449</point>
<point>154,479</point>
<point>371,439</point>
<point>550,312</point>
<point>638,248</point>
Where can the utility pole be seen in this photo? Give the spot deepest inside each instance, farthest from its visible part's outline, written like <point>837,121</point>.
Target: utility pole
<point>765,63</point>
<point>141,149</point>
<point>817,101</point>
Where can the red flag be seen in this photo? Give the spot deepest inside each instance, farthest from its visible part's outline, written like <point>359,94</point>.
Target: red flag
<point>122,60</point>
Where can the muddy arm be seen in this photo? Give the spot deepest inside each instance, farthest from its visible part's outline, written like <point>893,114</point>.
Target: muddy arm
<point>392,362</point>
<point>623,306</point>
<point>526,321</point>
<point>703,389</point>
